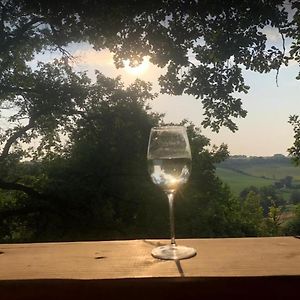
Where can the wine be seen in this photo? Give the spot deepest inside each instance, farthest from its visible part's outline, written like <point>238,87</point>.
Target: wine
<point>169,173</point>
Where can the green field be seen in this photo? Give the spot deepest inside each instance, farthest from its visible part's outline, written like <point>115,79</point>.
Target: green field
<point>237,181</point>
<point>258,172</point>
<point>273,170</point>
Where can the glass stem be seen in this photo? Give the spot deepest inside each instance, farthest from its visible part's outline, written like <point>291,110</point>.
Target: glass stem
<point>171,212</point>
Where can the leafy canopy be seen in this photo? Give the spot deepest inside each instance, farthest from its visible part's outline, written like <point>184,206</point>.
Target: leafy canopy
<point>204,45</point>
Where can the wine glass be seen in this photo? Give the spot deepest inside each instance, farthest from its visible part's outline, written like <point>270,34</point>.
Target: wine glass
<point>169,164</point>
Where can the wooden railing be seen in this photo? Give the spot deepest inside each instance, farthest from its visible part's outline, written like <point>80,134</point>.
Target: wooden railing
<point>243,268</point>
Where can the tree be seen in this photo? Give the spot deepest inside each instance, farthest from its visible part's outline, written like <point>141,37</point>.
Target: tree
<point>295,197</point>
<point>292,227</point>
<point>268,195</point>
<point>91,179</point>
<point>252,215</point>
<point>45,104</point>
<point>206,207</point>
<point>287,181</point>
<point>221,36</point>
<point>273,221</point>
<point>99,184</point>
<point>294,151</point>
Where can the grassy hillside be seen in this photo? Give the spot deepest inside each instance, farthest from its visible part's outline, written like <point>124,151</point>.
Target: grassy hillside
<point>238,181</point>
<point>272,170</point>
<point>240,173</point>
<point>268,167</point>
<point>243,172</point>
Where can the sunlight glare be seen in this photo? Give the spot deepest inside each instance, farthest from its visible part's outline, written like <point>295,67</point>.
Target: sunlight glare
<point>138,70</point>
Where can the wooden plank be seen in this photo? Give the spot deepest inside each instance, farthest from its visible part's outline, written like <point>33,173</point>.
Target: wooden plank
<point>248,268</point>
<point>278,256</point>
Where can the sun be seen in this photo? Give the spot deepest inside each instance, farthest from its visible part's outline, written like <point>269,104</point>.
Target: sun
<point>138,70</point>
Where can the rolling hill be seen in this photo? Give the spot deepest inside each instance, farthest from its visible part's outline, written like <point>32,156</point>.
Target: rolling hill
<point>243,172</point>
<point>239,181</point>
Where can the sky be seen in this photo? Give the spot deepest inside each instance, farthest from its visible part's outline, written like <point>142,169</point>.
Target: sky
<point>265,130</point>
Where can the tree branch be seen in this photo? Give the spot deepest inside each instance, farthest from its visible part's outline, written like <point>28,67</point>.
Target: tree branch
<point>18,35</point>
<point>25,27</point>
<point>4,89</point>
<point>3,15</point>
<point>22,188</point>
<point>13,212</point>
<point>283,48</point>
<point>13,139</point>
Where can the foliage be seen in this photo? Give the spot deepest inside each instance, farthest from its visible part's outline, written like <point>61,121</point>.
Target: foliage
<point>278,171</point>
<point>293,226</point>
<point>203,44</point>
<point>97,186</point>
<point>284,182</point>
<point>295,197</point>
<point>294,151</point>
<point>238,181</point>
<point>252,215</point>
<point>205,201</point>
<point>273,221</point>
<point>268,196</point>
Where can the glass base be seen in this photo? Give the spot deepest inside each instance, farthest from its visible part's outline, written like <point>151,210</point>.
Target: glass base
<point>173,252</point>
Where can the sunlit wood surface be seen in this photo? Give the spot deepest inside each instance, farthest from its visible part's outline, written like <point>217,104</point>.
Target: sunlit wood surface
<point>25,265</point>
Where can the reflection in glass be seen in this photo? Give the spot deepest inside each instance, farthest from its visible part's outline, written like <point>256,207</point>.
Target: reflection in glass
<point>169,164</point>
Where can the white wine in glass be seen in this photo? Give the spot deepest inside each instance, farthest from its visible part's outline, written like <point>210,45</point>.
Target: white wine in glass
<point>169,164</point>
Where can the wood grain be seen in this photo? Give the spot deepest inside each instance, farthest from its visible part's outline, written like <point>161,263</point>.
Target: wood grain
<point>278,256</point>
